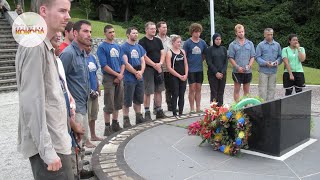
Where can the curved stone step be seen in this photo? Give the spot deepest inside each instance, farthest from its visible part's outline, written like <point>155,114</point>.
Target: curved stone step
<point>3,56</point>
<point>6,36</point>
<point>7,63</point>
<point>7,40</point>
<point>8,88</point>
<point>8,82</point>
<point>7,69</point>
<point>7,50</point>
<point>9,75</point>
<point>8,46</point>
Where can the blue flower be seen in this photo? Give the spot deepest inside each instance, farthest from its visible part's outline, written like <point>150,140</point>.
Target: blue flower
<point>217,130</point>
<point>222,148</point>
<point>229,114</point>
<point>238,141</point>
<point>241,121</point>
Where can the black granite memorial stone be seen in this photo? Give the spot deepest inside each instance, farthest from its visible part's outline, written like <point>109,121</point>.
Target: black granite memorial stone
<point>280,125</point>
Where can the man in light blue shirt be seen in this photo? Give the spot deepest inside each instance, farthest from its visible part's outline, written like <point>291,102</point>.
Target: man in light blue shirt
<point>241,55</point>
<point>268,56</point>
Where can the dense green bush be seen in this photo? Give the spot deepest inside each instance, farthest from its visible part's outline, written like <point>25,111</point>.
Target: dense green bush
<point>285,17</point>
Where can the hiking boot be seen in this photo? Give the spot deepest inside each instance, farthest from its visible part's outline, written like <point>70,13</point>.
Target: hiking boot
<point>115,126</point>
<point>147,116</point>
<point>139,118</point>
<point>126,122</point>
<point>160,114</point>
<point>108,131</point>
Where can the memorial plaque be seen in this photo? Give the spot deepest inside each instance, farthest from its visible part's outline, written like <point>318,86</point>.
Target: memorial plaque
<point>280,125</point>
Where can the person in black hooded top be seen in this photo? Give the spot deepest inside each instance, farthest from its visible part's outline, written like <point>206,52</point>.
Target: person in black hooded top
<point>217,60</point>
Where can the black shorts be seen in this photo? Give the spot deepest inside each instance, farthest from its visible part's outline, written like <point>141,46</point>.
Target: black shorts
<point>242,78</point>
<point>297,82</point>
<point>195,77</point>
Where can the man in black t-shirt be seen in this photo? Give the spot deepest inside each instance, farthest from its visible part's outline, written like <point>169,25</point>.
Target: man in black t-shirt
<point>153,75</point>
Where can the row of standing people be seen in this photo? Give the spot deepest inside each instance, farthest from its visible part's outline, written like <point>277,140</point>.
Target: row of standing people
<point>44,134</point>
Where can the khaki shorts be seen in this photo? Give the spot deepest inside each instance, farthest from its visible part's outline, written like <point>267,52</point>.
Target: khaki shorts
<point>113,94</point>
<point>150,84</point>
<point>93,109</point>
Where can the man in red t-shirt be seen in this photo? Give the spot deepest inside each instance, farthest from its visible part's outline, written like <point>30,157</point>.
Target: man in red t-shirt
<point>68,36</point>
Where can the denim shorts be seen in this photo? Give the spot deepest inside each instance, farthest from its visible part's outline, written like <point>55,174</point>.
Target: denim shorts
<point>133,91</point>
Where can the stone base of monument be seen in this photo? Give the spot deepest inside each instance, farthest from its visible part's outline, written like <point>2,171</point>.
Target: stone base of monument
<point>280,127</point>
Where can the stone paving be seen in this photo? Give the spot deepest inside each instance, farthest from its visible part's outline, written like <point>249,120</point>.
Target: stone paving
<point>16,167</point>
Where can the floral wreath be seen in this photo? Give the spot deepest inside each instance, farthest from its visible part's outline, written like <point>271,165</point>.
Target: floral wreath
<point>224,128</point>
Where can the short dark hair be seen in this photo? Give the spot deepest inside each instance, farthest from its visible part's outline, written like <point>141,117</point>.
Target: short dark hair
<point>107,27</point>
<point>292,36</point>
<point>68,27</point>
<point>78,24</point>
<point>130,29</point>
<point>159,24</point>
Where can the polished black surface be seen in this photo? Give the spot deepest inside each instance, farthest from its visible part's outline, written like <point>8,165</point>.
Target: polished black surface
<point>280,125</point>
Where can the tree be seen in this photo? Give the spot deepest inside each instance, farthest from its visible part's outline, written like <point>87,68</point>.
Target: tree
<point>86,6</point>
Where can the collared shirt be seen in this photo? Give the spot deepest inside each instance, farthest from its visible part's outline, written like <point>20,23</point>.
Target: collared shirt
<point>77,75</point>
<point>293,58</point>
<point>265,52</point>
<point>42,108</point>
<point>166,42</point>
<point>241,53</point>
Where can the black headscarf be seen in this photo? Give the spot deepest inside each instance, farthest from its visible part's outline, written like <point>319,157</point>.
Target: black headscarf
<point>214,37</point>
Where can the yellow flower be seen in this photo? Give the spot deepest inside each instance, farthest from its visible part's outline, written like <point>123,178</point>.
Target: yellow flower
<point>218,137</point>
<point>227,150</point>
<point>238,115</point>
<point>224,118</point>
<point>241,134</point>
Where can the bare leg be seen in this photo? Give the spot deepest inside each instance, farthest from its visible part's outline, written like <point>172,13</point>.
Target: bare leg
<point>106,117</point>
<point>246,89</point>
<point>236,91</point>
<point>94,137</point>
<point>158,99</point>
<point>192,89</point>
<point>137,108</point>
<point>146,100</point>
<point>198,96</point>
<point>115,115</point>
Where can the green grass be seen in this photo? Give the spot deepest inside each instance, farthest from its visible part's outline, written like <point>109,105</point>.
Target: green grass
<point>311,74</point>
<point>97,29</point>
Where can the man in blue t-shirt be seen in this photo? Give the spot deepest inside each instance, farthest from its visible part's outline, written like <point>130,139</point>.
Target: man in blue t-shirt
<point>110,58</point>
<point>195,48</point>
<point>133,56</point>
<point>93,104</point>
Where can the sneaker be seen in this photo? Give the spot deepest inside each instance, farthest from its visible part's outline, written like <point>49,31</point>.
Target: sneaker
<point>126,122</point>
<point>108,131</point>
<point>115,126</point>
<point>139,118</point>
<point>160,114</point>
<point>147,116</point>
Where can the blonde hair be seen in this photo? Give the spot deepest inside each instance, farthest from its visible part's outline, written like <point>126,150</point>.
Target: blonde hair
<point>237,27</point>
<point>174,37</point>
